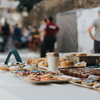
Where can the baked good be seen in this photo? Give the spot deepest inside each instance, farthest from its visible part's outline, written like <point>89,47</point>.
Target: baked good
<point>29,61</point>
<point>16,66</point>
<point>88,82</point>
<point>81,54</point>
<point>93,77</point>
<point>62,78</point>
<point>63,63</point>
<point>42,59</point>
<point>80,72</point>
<point>62,59</point>
<point>77,80</point>
<point>32,77</point>
<point>73,54</point>
<point>67,63</point>
<point>46,63</point>
<point>4,67</point>
<point>30,67</point>
<point>70,63</point>
<point>96,86</point>
<point>49,79</point>
<point>43,63</point>
<point>48,75</point>
<point>81,64</point>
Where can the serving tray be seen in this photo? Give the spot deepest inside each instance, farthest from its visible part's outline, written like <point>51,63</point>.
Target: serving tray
<point>79,84</point>
<point>49,81</point>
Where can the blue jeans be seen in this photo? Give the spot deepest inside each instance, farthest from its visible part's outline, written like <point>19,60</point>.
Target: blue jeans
<point>96,46</point>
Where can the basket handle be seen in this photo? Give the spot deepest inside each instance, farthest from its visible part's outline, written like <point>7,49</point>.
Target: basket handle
<point>16,54</point>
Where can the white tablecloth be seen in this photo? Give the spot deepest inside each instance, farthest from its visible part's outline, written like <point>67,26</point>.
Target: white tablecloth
<point>14,88</point>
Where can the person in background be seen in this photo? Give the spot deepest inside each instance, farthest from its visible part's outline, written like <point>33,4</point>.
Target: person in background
<point>50,35</point>
<point>25,37</point>
<point>96,37</point>
<point>5,34</point>
<point>34,41</point>
<point>17,36</point>
<point>41,31</point>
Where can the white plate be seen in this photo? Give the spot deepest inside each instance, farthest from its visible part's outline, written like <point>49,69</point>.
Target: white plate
<point>51,81</point>
<point>79,84</point>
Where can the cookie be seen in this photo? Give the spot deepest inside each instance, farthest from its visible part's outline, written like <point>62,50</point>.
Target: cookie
<point>4,67</point>
<point>88,82</point>
<point>96,86</point>
<point>77,80</point>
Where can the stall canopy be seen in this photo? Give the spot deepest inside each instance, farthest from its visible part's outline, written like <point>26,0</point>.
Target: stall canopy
<point>74,36</point>
<point>67,39</point>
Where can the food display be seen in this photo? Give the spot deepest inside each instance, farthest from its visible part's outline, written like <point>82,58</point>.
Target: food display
<point>36,71</point>
<point>47,77</point>
<point>4,67</point>
<point>90,59</point>
<point>38,62</point>
<point>80,72</point>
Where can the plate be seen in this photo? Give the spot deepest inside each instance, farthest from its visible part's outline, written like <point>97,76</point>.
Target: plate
<point>79,84</point>
<point>49,81</point>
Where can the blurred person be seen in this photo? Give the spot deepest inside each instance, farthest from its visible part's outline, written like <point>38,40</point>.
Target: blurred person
<point>34,41</point>
<point>0,30</point>
<point>5,34</point>
<point>17,36</point>
<point>50,35</point>
<point>96,37</point>
<point>41,31</point>
<point>25,36</point>
<point>12,30</point>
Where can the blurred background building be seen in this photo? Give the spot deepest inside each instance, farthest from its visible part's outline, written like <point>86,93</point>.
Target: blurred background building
<point>72,16</point>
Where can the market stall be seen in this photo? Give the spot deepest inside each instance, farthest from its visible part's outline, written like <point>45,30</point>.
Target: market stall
<point>50,78</point>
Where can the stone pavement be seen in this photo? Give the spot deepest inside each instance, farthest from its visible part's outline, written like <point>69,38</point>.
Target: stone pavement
<point>24,53</point>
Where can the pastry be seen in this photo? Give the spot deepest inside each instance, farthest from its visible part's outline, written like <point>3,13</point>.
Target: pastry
<point>36,61</point>
<point>73,54</point>
<point>30,67</point>
<point>4,67</point>
<point>80,72</point>
<point>16,66</point>
<point>82,54</point>
<point>96,86</point>
<point>41,63</point>
<point>46,63</point>
<point>43,59</point>
<point>29,61</point>
<point>49,75</point>
<point>77,80</point>
<point>93,77</point>
<point>88,82</point>
<point>69,63</point>
<point>81,64</point>
<point>62,59</point>
<point>62,78</point>
<point>49,79</point>
<point>63,63</point>
<point>31,77</point>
